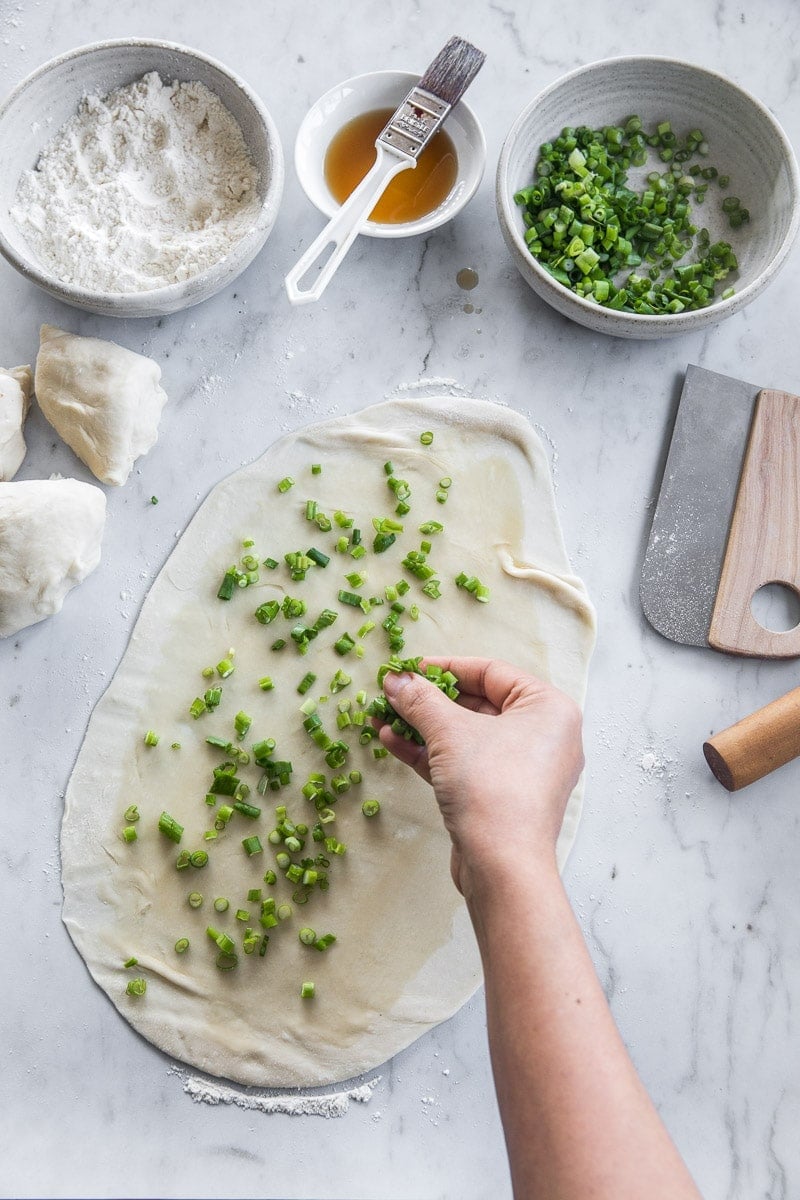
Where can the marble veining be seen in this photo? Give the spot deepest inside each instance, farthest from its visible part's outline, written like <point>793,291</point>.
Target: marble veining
<point>688,896</point>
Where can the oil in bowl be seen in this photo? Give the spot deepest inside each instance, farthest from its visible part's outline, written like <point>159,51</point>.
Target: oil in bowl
<point>410,195</point>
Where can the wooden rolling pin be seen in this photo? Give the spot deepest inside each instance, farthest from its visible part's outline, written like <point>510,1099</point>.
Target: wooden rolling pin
<point>757,744</point>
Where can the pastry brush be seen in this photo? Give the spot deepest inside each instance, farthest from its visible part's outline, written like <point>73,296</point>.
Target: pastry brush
<point>398,147</point>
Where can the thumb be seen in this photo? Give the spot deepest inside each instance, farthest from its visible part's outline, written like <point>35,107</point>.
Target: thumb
<point>418,701</point>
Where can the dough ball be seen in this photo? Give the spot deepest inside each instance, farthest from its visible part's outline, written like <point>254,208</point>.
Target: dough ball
<point>15,399</point>
<point>50,535</point>
<point>104,400</point>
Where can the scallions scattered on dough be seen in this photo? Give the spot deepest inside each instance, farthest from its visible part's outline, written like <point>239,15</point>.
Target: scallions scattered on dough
<point>304,846</point>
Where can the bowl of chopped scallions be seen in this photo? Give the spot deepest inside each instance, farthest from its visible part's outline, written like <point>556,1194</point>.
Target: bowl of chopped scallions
<point>647,197</point>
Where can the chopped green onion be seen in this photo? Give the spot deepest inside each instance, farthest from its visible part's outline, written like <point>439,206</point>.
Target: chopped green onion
<point>307,990</point>
<point>226,944</point>
<point>371,808</point>
<point>242,723</point>
<point>252,845</point>
<point>307,936</point>
<point>586,226</point>
<point>473,585</point>
<point>224,814</point>
<point>195,899</point>
<point>198,858</point>
<point>130,962</point>
<point>129,834</point>
<point>247,810</point>
<point>229,583</point>
<point>426,438</point>
<point>138,987</point>
<point>308,681</point>
<point>344,645</point>
<point>267,612</point>
<point>170,827</point>
<point>182,945</point>
<point>151,738</point>
<point>285,483</point>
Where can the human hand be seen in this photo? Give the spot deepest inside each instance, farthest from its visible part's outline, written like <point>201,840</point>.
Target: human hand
<point>503,761</point>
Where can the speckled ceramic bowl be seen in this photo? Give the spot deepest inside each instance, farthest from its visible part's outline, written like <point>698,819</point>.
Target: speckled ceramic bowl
<point>42,103</point>
<point>745,142</point>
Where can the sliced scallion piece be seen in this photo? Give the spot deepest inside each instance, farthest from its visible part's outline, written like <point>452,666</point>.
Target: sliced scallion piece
<point>170,827</point>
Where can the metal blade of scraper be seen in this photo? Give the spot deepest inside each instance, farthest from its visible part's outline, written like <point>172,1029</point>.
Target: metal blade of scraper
<point>686,548</point>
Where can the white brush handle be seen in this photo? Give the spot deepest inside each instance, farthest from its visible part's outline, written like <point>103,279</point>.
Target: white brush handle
<point>342,230</point>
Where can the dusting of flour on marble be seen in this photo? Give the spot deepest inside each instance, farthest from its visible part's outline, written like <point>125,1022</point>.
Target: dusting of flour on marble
<point>330,1104</point>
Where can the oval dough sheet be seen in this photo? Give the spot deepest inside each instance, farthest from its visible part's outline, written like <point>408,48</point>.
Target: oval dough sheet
<point>405,958</point>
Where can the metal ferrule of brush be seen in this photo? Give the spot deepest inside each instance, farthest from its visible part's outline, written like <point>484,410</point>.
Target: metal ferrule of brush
<point>413,125</point>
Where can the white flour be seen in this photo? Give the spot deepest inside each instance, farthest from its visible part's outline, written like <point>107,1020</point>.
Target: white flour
<point>142,188</point>
<point>333,1104</point>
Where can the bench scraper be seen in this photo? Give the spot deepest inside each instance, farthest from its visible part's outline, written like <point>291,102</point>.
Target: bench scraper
<point>728,517</point>
<point>726,523</point>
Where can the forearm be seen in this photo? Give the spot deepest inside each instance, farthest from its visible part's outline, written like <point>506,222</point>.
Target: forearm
<point>577,1120</point>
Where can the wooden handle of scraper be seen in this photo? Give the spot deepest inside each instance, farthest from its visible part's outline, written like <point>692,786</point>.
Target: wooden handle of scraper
<point>764,538</point>
<point>756,745</point>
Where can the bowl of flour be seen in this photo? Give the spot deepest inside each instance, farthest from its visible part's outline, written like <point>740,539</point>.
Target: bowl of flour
<point>140,177</point>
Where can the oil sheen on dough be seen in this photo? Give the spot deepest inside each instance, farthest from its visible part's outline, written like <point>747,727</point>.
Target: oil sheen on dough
<point>405,958</point>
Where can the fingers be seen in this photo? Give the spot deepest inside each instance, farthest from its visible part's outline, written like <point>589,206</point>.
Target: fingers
<point>420,703</point>
<point>410,753</point>
<point>492,678</point>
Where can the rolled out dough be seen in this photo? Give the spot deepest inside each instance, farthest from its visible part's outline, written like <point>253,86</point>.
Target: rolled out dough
<point>405,958</point>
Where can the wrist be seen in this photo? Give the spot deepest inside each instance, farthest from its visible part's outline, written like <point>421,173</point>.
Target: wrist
<point>506,884</point>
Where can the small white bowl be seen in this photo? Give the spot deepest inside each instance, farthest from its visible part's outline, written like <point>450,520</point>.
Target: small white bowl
<point>40,105</point>
<point>365,93</point>
<point>745,141</point>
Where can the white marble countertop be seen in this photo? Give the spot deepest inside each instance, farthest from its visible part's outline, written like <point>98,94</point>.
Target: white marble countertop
<point>687,895</point>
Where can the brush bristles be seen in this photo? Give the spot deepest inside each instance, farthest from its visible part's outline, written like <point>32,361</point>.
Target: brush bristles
<point>453,70</point>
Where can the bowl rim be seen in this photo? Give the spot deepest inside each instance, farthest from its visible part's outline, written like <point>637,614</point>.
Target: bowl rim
<point>668,322</point>
<point>82,297</point>
<point>378,229</point>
